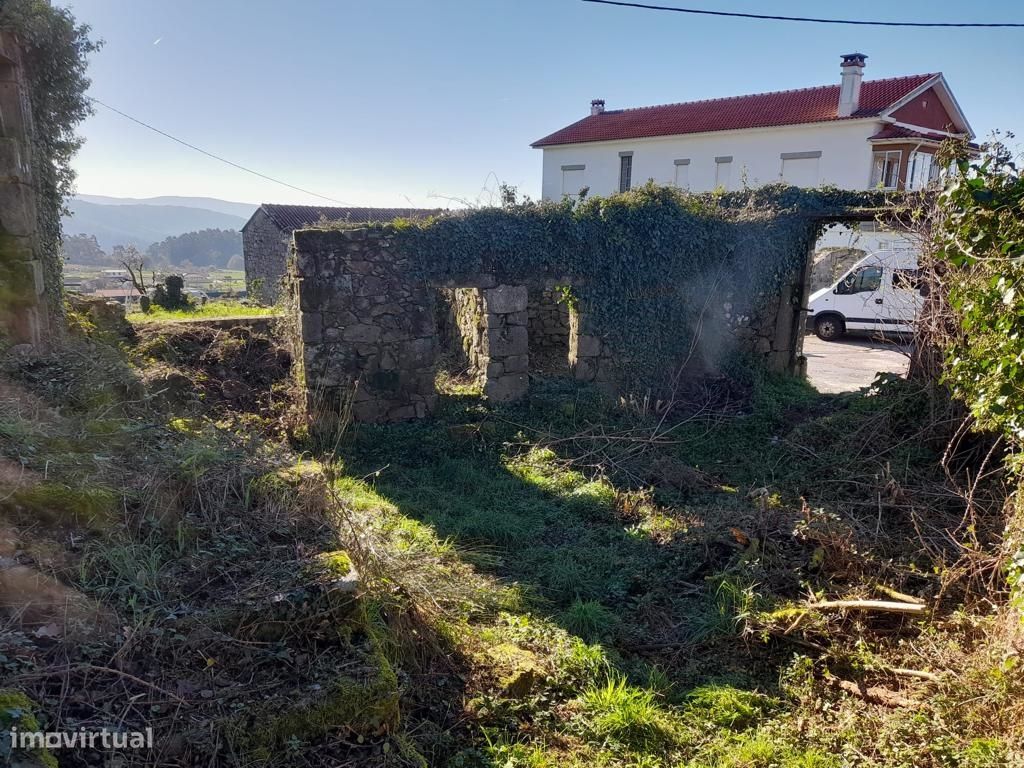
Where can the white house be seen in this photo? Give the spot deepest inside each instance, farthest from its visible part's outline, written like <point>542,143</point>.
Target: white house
<point>855,134</point>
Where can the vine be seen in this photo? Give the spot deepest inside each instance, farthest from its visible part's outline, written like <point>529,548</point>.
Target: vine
<point>55,49</point>
<point>642,264</point>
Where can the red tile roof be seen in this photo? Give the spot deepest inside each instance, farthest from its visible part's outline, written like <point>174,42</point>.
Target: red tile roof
<point>759,110</point>
<point>899,132</point>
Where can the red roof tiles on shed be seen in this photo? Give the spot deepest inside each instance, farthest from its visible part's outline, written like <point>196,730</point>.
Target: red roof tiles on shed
<point>759,110</point>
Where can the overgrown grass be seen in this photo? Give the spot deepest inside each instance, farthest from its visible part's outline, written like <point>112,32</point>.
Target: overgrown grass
<point>211,310</point>
<point>527,596</point>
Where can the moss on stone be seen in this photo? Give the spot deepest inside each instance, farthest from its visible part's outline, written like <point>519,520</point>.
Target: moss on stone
<point>337,564</point>
<point>60,504</point>
<point>17,711</point>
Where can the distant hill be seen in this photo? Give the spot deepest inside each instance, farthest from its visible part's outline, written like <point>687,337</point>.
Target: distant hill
<point>245,210</point>
<point>123,221</point>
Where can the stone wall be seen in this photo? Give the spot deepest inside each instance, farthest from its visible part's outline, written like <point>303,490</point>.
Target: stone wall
<point>548,326</point>
<point>27,303</point>
<point>370,330</point>
<point>265,253</point>
<point>465,329</point>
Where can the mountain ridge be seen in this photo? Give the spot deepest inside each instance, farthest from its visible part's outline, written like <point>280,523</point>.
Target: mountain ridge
<point>144,221</point>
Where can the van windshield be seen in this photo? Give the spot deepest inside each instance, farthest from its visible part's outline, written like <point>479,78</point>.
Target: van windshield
<point>862,280</point>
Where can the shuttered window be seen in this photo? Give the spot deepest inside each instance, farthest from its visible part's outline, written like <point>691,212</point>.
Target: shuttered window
<point>625,172</point>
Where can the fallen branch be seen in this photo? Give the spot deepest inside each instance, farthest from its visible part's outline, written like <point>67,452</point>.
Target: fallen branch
<point>918,673</point>
<point>903,598</point>
<point>70,668</point>
<point>882,606</point>
<point>875,694</point>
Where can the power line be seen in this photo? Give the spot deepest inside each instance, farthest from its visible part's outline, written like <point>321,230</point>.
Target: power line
<point>857,22</point>
<point>218,157</point>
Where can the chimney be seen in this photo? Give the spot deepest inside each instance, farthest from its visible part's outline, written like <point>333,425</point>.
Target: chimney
<point>597,106</point>
<point>852,70</point>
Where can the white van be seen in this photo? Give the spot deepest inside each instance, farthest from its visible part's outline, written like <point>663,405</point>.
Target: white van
<point>880,293</point>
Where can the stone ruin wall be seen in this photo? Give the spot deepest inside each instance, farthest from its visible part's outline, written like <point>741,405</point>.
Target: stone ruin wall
<point>547,323</point>
<point>370,331</point>
<point>30,285</point>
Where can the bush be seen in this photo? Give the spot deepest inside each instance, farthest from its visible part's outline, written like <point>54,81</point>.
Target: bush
<point>171,294</point>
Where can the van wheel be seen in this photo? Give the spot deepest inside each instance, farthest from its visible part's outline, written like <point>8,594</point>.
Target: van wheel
<point>829,328</point>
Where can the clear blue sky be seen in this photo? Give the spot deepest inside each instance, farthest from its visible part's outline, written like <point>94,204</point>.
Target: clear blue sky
<point>397,102</point>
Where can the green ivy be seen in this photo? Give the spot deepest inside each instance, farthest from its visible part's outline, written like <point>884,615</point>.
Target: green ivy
<point>982,236</point>
<point>55,50</point>
<point>642,264</point>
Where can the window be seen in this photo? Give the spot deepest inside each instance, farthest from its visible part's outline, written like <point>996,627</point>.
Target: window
<point>800,168</point>
<point>885,169</point>
<point>723,170</point>
<point>625,170</point>
<point>572,179</point>
<point>863,280</point>
<point>922,171</point>
<point>682,178</point>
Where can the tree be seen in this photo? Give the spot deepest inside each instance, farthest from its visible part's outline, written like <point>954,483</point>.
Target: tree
<point>205,248</point>
<point>84,249</point>
<point>128,256</point>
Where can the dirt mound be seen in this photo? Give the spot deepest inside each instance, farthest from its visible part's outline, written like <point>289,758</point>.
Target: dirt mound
<point>241,368</point>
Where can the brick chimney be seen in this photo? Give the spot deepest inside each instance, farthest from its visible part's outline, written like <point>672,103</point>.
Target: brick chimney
<point>852,70</point>
<point>597,106</point>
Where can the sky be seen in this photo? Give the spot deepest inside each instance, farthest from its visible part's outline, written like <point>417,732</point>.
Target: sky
<point>427,102</point>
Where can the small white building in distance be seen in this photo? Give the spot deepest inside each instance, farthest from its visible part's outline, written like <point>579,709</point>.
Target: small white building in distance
<point>855,134</point>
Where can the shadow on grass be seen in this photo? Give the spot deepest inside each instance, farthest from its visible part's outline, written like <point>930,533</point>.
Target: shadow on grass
<point>652,581</point>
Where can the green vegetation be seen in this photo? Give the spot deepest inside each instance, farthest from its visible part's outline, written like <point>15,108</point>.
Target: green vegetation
<point>56,50</point>
<point>518,602</point>
<point>16,712</point>
<point>654,258</point>
<point>759,576</point>
<point>214,309</point>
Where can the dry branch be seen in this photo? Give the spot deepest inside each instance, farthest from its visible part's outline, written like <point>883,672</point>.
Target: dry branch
<point>883,606</point>
<point>876,694</point>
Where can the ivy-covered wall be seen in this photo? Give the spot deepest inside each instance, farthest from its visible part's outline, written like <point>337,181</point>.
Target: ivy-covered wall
<point>661,284</point>
<point>24,315</point>
<point>43,53</point>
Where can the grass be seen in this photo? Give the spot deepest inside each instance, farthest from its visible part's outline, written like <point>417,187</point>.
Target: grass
<point>521,603</point>
<point>211,310</point>
<point>620,712</point>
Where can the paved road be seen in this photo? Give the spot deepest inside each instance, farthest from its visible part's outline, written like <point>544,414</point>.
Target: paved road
<point>852,362</point>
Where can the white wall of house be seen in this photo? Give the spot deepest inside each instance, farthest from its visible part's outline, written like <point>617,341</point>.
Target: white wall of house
<point>757,158</point>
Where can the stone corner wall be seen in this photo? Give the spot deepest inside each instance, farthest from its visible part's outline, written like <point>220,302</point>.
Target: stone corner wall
<point>28,304</point>
<point>265,253</point>
<point>368,332</point>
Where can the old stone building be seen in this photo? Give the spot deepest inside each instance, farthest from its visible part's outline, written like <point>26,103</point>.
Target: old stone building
<point>24,310</point>
<point>267,236</point>
<point>370,335</point>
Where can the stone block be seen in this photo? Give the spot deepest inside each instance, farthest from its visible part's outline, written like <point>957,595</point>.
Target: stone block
<point>507,388</point>
<point>507,340</point>
<point>495,369</point>
<point>402,413</point>
<point>516,318</point>
<point>516,363</point>
<point>584,369</point>
<point>505,299</point>
<point>312,327</point>
<point>369,285</point>
<point>417,353</point>
<point>361,333</point>
<point>588,346</point>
